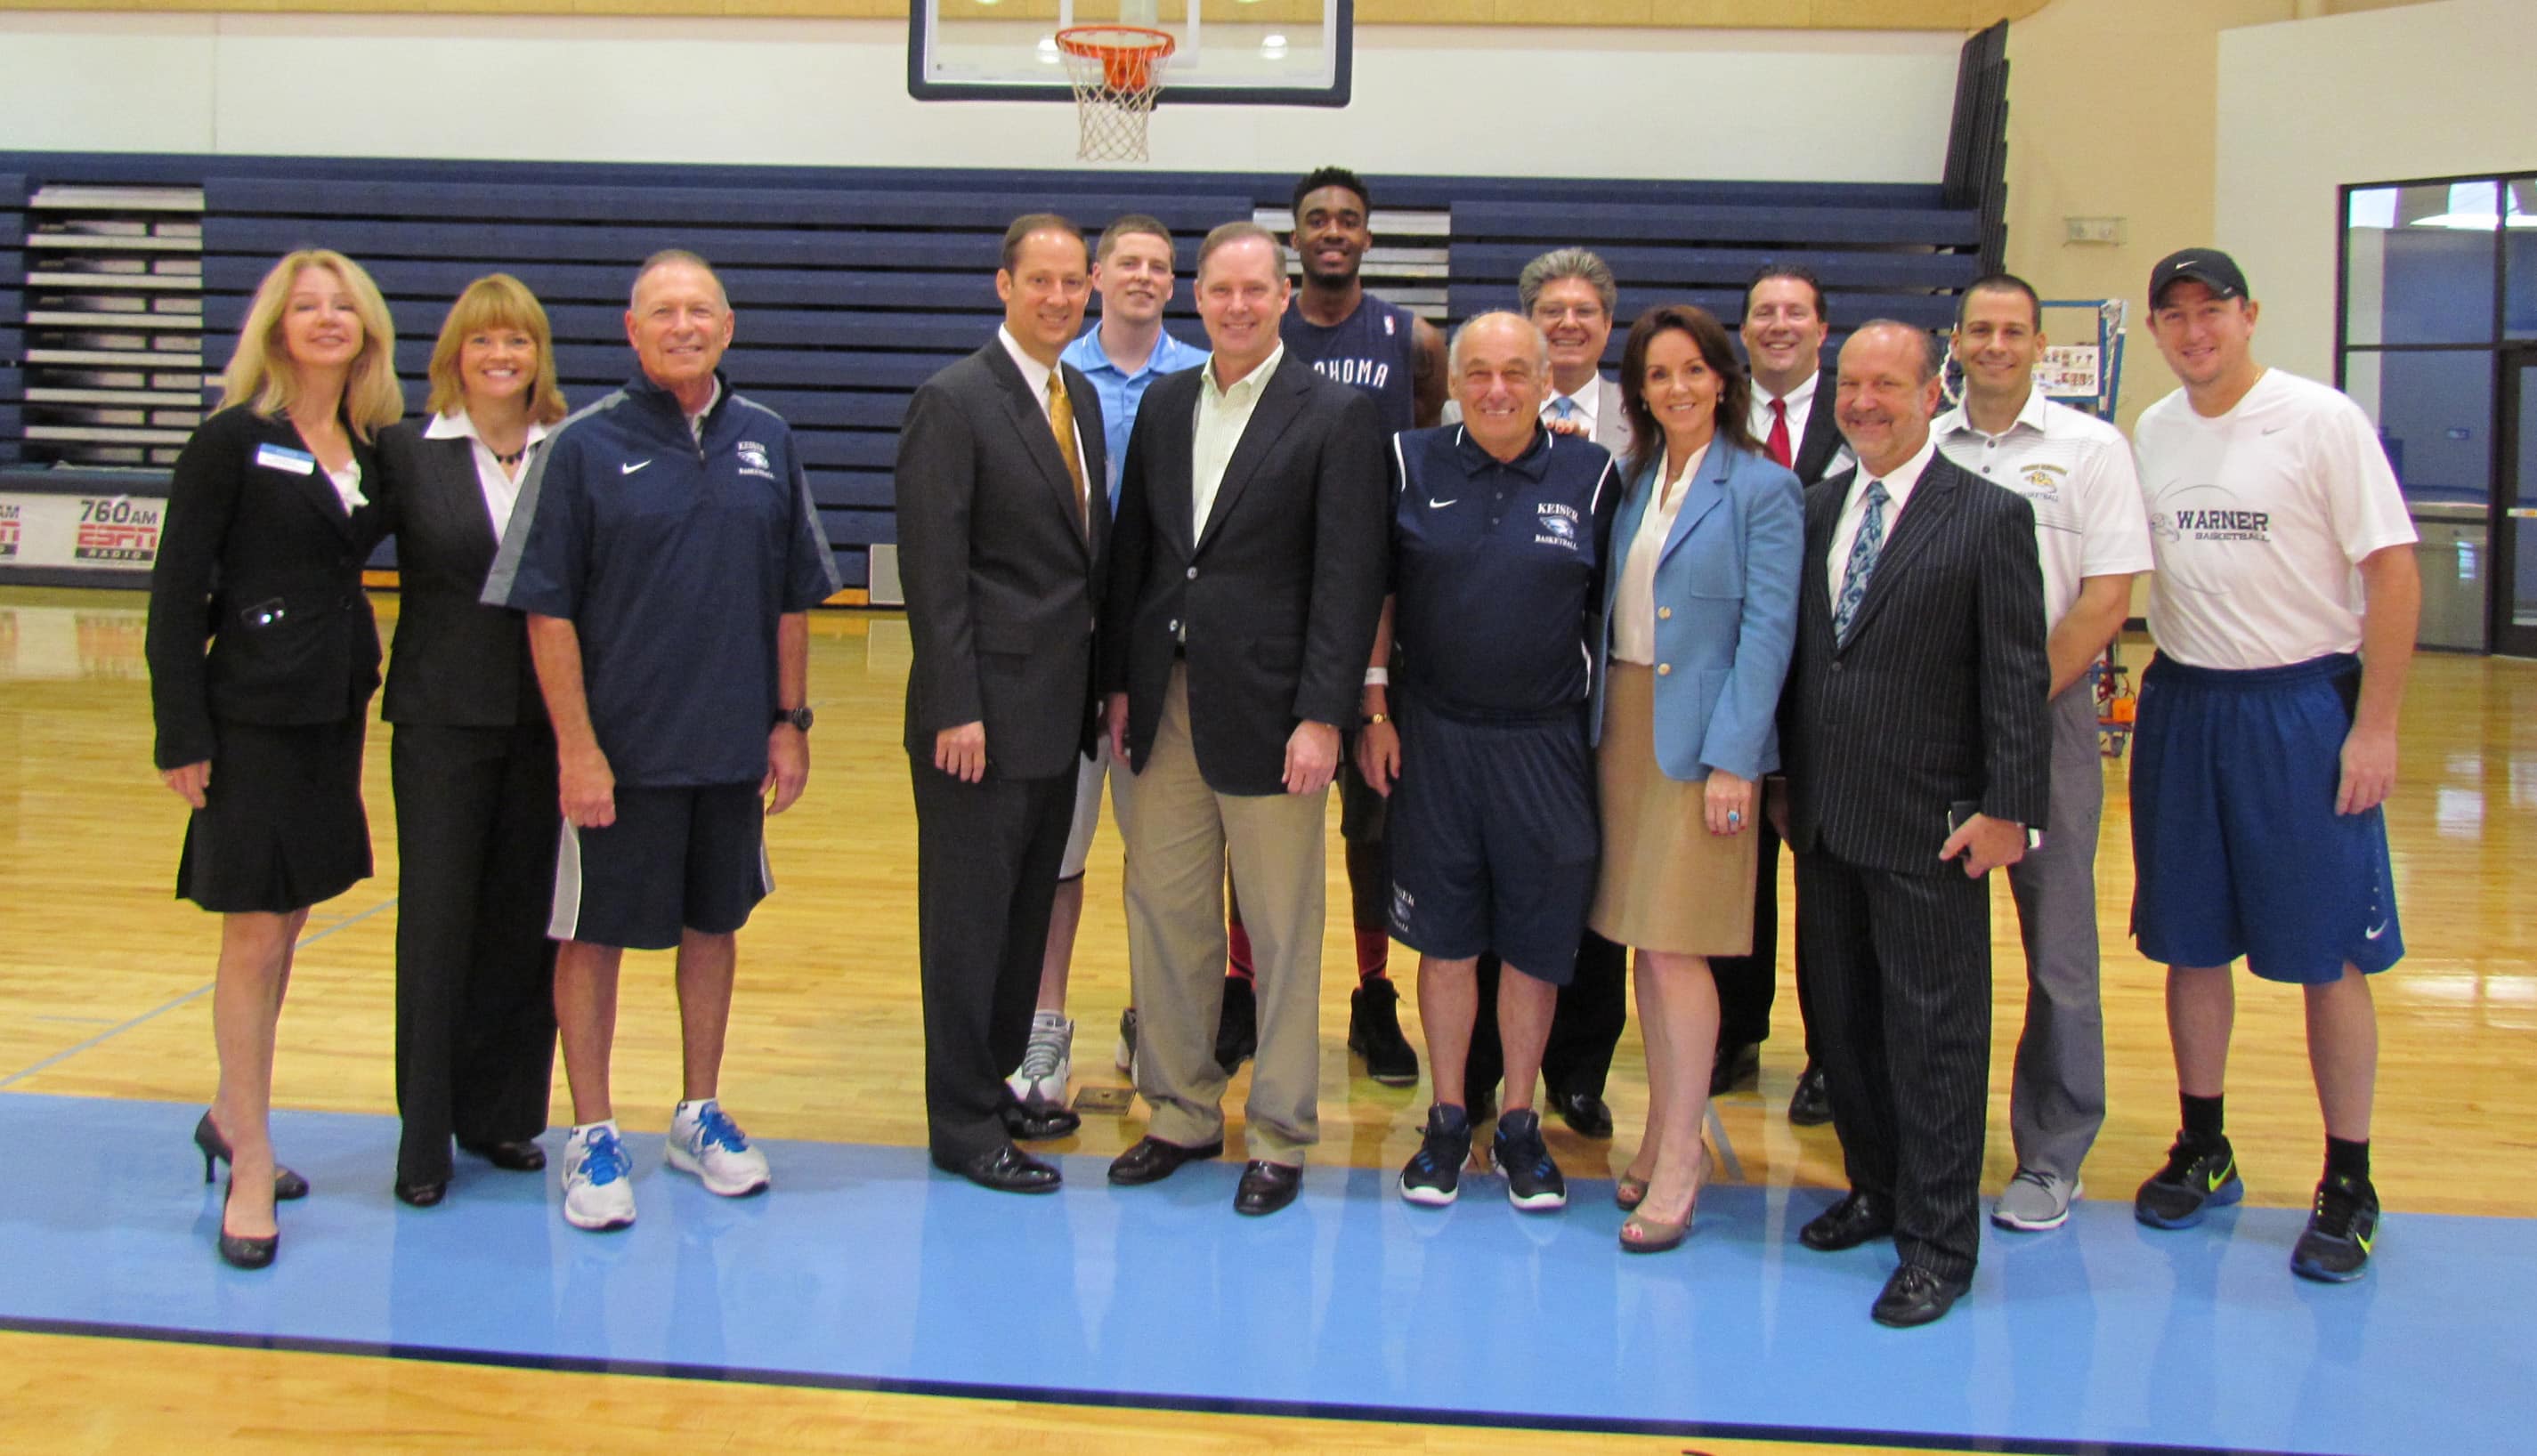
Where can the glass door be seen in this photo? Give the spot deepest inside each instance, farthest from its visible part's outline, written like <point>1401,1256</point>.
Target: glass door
<point>2514,510</point>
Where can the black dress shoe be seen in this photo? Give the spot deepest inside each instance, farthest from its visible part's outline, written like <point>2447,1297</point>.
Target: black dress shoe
<point>422,1194</point>
<point>1039,1125</point>
<point>1004,1168</point>
<point>1738,1064</point>
<point>1152,1160</point>
<point>1585,1115</point>
<point>1810,1105</point>
<point>1916,1295</point>
<point>1237,1028</point>
<point>286,1184</point>
<point>1267,1187</point>
<point>1852,1222</point>
<point>236,1250</point>
<point>510,1157</point>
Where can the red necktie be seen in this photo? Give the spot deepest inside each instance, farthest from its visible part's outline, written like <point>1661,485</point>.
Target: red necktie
<point>1777,444</point>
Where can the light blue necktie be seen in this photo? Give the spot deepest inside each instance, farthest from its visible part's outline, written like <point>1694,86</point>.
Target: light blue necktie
<point>1862,561</point>
<point>1564,407</point>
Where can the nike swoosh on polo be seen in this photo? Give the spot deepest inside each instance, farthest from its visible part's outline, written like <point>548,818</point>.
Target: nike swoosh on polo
<point>1434,504</point>
<point>2375,932</point>
<point>2277,429</point>
<point>627,470</point>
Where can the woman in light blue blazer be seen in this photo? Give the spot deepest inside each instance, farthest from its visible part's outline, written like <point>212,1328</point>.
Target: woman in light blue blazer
<point>1698,620</point>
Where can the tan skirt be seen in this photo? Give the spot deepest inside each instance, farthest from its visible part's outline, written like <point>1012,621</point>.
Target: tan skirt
<point>1667,884</point>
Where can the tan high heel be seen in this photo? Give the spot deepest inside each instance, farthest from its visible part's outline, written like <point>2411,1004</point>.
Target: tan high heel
<point>1643,1235</point>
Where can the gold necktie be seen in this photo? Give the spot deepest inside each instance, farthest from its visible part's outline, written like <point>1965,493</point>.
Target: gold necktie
<point>1061,423</point>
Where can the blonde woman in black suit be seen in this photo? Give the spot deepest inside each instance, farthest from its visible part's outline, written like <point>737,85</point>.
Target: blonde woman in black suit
<point>260,561</point>
<point>473,760</point>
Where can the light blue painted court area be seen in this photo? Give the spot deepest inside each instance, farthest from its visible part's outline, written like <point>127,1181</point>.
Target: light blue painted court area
<point>865,1269</point>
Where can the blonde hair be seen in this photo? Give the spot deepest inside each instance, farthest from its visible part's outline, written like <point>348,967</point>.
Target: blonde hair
<point>496,301</point>
<point>260,375</point>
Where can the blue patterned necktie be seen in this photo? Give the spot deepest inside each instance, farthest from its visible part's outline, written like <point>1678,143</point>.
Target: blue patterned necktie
<point>1862,561</point>
<point>1564,407</point>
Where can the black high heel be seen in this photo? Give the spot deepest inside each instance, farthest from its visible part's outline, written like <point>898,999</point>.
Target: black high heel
<point>286,1184</point>
<point>239,1251</point>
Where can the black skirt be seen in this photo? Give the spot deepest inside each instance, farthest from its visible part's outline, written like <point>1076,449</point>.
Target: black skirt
<point>283,826</point>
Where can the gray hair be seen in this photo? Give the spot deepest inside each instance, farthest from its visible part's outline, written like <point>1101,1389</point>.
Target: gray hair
<point>1932,353</point>
<point>673,257</point>
<point>1540,345</point>
<point>1560,263</point>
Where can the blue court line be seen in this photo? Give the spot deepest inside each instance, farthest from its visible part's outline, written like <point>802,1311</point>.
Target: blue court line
<point>865,1269</point>
<point>197,994</point>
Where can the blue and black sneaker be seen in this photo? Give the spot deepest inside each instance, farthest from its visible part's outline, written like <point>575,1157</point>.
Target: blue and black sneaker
<point>2341,1227</point>
<point>1534,1183</point>
<point>2198,1177</point>
<point>1434,1175</point>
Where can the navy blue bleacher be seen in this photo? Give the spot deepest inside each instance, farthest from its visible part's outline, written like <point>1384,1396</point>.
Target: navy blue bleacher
<point>854,284</point>
<point>14,192</point>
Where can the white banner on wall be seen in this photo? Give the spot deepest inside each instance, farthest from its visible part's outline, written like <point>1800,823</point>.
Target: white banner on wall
<point>97,533</point>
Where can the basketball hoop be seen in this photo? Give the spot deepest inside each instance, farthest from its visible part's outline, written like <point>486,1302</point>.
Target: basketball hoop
<point>1115,72</point>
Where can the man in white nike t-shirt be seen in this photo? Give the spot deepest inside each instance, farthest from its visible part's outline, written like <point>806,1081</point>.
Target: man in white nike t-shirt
<point>2284,605</point>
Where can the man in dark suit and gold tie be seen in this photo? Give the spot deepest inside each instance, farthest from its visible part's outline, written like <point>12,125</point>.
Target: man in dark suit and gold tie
<point>1000,547</point>
<point>1918,749</point>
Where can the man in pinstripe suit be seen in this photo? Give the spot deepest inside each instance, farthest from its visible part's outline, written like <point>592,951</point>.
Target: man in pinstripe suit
<point>1917,752</point>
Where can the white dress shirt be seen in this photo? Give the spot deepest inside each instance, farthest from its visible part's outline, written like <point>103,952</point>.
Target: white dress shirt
<point>1584,403</point>
<point>1222,415</point>
<point>1899,486</point>
<point>501,491</point>
<point>1036,375</point>
<point>1634,603</point>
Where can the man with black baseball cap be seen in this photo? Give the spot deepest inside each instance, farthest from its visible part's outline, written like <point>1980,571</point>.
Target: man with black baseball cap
<point>2284,605</point>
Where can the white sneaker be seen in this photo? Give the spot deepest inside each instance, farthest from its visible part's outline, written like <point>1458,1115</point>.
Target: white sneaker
<point>705,1141</point>
<point>1047,1062</point>
<point>598,1180</point>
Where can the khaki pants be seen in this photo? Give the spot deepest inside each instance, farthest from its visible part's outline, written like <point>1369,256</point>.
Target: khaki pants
<point>1177,844</point>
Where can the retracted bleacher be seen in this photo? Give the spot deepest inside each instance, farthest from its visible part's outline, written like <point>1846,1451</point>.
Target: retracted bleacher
<point>850,284</point>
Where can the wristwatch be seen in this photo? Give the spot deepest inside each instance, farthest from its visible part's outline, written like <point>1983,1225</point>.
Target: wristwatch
<point>1372,718</point>
<point>799,717</point>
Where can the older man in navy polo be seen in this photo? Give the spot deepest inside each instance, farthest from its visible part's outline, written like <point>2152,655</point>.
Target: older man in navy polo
<point>1498,530</point>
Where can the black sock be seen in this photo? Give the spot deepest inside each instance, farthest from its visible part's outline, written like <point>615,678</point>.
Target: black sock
<point>2348,1160</point>
<point>2201,1119</point>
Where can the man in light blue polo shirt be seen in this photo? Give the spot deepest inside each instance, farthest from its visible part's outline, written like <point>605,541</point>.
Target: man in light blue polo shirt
<point>1122,354</point>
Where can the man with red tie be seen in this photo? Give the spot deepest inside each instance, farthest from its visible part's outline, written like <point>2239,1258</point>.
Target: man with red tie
<point>1784,326</point>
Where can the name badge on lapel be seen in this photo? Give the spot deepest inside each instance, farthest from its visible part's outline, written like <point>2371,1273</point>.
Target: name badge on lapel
<point>284,458</point>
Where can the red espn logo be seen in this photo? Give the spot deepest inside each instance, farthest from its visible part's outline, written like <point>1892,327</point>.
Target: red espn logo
<point>117,529</point>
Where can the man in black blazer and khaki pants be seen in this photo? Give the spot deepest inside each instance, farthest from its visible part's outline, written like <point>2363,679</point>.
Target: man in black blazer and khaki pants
<point>1917,752</point>
<point>1247,574</point>
<point>1001,548</point>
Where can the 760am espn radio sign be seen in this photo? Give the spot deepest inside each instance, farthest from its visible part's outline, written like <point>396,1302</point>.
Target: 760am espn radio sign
<point>107,533</point>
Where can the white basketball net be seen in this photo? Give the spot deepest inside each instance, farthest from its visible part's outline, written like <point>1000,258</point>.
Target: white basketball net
<point>1115,86</point>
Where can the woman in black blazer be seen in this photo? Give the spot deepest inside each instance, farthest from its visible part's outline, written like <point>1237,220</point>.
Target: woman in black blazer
<point>260,557</point>
<point>473,760</point>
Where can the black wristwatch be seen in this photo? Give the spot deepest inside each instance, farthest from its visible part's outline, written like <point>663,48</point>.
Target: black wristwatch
<point>799,717</point>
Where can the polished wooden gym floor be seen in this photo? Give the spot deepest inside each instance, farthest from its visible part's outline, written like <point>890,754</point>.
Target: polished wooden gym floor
<point>102,994</point>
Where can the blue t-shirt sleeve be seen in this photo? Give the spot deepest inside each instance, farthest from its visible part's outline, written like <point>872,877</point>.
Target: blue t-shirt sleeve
<point>544,564</point>
<point>809,566</point>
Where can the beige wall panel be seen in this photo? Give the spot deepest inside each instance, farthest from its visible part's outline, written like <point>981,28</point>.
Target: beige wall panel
<point>2112,113</point>
<point>1570,12</point>
<point>1903,14</point>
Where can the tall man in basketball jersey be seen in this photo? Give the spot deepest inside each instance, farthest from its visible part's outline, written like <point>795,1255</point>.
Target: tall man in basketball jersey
<point>1398,359</point>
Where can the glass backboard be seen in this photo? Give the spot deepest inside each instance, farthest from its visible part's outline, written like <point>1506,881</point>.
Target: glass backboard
<point>1238,52</point>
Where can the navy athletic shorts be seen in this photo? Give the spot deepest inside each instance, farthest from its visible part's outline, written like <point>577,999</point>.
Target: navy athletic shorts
<point>2236,850</point>
<point>691,858</point>
<point>1494,839</point>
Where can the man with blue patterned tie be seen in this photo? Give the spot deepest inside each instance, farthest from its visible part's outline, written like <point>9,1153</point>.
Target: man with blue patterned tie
<point>1917,752</point>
